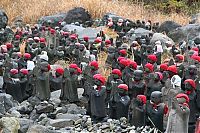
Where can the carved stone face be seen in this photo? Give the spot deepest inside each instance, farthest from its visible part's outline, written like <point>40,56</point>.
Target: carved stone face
<point>97,82</point>
<point>156,97</point>
<point>188,87</point>
<point>192,69</point>
<point>138,75</point>
<point>44,66</point>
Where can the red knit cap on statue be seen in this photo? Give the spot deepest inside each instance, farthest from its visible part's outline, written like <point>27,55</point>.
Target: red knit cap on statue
<point>182,95</point>
<point>149,66</point>
<point>52,31</point>
<point>85,38</point>
<point>133,64</point>
<point>42,40</point>
<point>73,66</point>
<point>27,56</point>
<point>73,37</point>
<point>98,40</point>
<point>120,58</point>
<point>17,36</point>
<point>14,71</point>
<point>123,86</point>
<point>9,45</point>
<point>123,51</point>
<point>191,82</point>
<point>142,98</point>
<point>117,71</point>
<point>60,70</point>
<point>100,77</point>
<point>24,71</point>
<point>79,70</point>
<point>152,57</point>
<point>172,68</point>
<point>108,42</point>
<point>196,58</point>
<point>195,49</point>
<point>123,62</point>
<point>180,57</point>
<point>49,67</point>
<point>95,64</point>
<point>164,67</point>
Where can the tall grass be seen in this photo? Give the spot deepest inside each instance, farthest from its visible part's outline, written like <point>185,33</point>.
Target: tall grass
<point>31,10</point>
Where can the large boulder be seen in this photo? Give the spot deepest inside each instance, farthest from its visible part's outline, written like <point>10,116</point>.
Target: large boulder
<point>168,26</point>
<point>6,102</point>
<point>53,19</point>
<point>111,15</point>
<point>24,124</point>
<point>187,32</point>
<point>3,19</point>
<point>133,34</point>
<point>38,129</point>
<point>44,107</point>
<point>77,14</point>
<point>71,27</point>
<point>90,32</point>
<point>60,123</point>
<point>195,19</point>
<point>10,124</point>
<point>161,37</point>
<point>74,109</point>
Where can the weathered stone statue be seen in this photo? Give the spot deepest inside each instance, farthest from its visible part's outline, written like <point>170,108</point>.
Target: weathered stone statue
<point>137,111</point>
<point>119,102</point>
<point>23,77</point>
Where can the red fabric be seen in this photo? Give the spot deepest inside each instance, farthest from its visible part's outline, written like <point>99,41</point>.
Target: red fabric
<point>73,66</point>
<point>14,71</point>
<point>24,71</point>
<point>98,40</point>
<point>95,64</point>
<point>120,58</point>
<point>163,67</point>
<point>195,49</point>
<point>85,38</point>
<point>166,109</point>
<point>149,66</point>
<point>191,82</point>
<point>123,62</point>
<point>152,57</point>
<point>9,45</point>
<point>182,95</point>
<point>73,37</point>
<point>52,31</point>
<point>188,92</point>
<point>123,86</point>
<point>123,51</point>
<point>42,40</point>
<point>160,75</point>
<point>117,71</point>
<point>60,70</point>
<point>17,37</point>
<point>142,98</point>
<point>65,33</point>
<point>27,56</point>
<point>172,68</point>
<point>49,67</point>
<point>100,77</point>
<point>108,42</point>
<point>180,57</point>
<point>196,58</point>
<point>133,64</point>
<point>79,70</point>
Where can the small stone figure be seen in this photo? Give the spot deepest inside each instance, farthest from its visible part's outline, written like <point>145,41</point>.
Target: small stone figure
<point>13,85</point>
<point>179,64</point>
<point>179,114</point>
<point>97,98</point>
<point>119,102</point>
<point>152,59</point>
<point>148,72</point>
<point>137,85</point>
<point>69,91</point>
<point>23,76</point>
<point>155,111</point>
<point>190,87</point>
<point>56,82</point>
<point>137,111</point>
<point>42,81</point>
